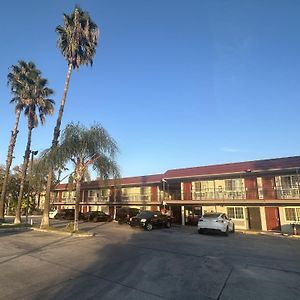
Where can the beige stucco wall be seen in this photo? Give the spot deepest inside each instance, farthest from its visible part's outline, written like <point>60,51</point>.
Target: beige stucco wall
<point>285,225</point>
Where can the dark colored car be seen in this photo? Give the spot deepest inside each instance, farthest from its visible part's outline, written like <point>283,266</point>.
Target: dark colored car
<point>150,219</point>
<point>97,216</point>
<point>124,214</point>
<point>65,214</point>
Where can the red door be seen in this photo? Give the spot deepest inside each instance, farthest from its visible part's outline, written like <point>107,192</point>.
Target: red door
<point>272,218</point>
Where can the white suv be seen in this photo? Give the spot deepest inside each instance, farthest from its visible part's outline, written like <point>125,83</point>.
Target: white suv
<point>215,221</point>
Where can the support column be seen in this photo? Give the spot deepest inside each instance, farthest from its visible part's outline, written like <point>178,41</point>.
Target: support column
<point>182,216</point>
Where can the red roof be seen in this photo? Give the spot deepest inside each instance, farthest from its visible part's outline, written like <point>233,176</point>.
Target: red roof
<point>229,168</point>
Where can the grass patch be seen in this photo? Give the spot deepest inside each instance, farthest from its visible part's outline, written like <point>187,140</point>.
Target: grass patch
<point>69,228</point>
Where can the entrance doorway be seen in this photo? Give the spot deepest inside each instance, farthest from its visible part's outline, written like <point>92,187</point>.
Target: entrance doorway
<point>254,218</point>
<point>176,213</point>
<point>272,218</point>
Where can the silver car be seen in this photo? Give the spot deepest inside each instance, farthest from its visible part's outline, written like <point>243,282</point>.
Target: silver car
<point>215,222</point>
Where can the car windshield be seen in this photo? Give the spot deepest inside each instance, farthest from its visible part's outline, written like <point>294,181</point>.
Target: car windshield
<point>145,214</point>
<point>211,216</point>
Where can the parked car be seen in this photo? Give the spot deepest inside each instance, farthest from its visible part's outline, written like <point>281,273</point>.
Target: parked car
<point>124,214</point>
<point>150,219</point>
<point>215,222</point>
<point>67,214</point>
<point>52,213</point>
<point>97,216</point>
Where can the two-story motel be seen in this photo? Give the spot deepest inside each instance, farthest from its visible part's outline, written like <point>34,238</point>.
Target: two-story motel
<point>257,195</point>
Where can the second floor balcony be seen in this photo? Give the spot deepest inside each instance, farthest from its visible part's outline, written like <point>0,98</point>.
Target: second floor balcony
<point>208,195</point>
<point>216,194</point>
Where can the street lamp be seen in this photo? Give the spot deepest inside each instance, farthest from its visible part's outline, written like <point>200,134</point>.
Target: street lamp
<point>30,174</point>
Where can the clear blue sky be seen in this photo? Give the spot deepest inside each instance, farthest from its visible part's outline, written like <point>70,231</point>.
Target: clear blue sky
<point>177,83</point>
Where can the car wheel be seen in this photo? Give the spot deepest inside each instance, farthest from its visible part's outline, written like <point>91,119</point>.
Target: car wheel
<point>168,224</point>
<point>233,228</point>
<point>149,227</point>
<point>95,219</point>
<point>200,231</point>
<point>226,232</point>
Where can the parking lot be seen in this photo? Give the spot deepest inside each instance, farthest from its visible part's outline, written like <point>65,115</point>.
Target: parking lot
<point>120,262</point>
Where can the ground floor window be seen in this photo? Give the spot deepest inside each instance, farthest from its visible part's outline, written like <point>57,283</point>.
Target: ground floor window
<point>235,212</point>
<point>292,214</point>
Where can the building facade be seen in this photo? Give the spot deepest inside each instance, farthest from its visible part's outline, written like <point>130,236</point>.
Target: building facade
<point>256,195</point>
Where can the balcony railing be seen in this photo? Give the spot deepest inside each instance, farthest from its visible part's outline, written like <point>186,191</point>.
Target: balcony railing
<point>292,193</point>
<point>213,194</point>
<point>135,198</point>
<point>95,199</point>
<point>195,195</point>
<point>71,200</point>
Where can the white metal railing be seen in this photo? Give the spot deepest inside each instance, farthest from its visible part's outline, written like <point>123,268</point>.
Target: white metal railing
<point>95,199</point>
<point>70,200</point>
<point>135,198</point>
<point>215,194</point>
<point>291,193</point>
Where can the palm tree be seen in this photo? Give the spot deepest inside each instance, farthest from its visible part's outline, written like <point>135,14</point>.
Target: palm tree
<point>85,147</point>
<point>77,40</point>
<point>18,79</point>
<point>36,104</point>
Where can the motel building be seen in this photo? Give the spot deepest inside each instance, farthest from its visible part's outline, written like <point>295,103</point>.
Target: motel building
<point>261,195</point>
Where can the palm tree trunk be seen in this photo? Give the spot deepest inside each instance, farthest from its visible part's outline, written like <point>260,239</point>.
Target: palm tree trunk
<point>23,176</point>
<point>77,202</point>
<point>9,159</point>
<point>56,133</point>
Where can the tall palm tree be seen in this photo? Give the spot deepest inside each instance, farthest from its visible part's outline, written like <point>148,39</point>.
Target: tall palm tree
<point>19,82</point>
<point>77,40</point>
<point>85,147</point>
<point>37,104</point>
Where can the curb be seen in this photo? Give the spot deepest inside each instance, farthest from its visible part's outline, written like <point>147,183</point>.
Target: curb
<point>64,233</point>
<point>266,233</point>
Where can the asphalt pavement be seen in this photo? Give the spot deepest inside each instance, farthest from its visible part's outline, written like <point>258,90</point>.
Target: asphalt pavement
<point>124,263</point>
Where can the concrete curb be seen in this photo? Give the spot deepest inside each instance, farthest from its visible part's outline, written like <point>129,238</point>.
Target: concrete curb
<point>248,232</point>
<point>64,233</point>
<point>267,233</point>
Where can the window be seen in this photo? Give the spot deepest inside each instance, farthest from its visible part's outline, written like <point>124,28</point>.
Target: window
<point>292,214</point>
<point>235,212</point>
<point>136,193</point>
<point>234,184</point>
<point>230,212</point>
<point>239,213</point>
<point>92,193</point>
<point>66,194</point>
<point>287,182</point>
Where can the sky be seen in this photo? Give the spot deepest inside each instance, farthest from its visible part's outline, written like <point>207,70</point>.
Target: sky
<point>176,83</point>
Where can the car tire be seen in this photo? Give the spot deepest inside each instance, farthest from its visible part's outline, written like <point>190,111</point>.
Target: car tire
<point>149,227</point>
<point>168,224</point>
<point>200,231</point>
<point>95,220</point>
<point>233,229</point>
<point>226,232</point>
